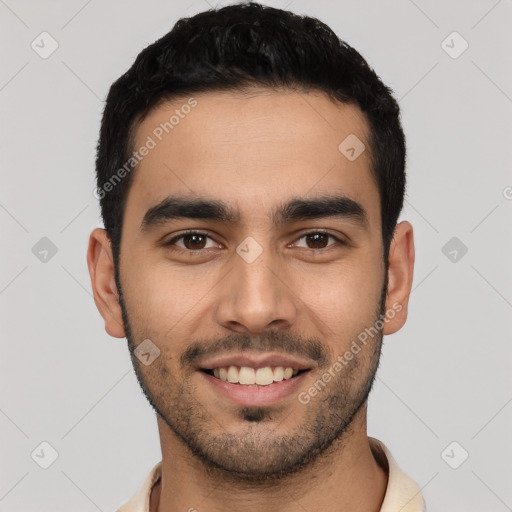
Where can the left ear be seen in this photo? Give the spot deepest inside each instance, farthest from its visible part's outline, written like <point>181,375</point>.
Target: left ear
<point>400,273</point>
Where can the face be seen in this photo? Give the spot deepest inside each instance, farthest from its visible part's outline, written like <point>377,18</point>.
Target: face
<point>252,259</point>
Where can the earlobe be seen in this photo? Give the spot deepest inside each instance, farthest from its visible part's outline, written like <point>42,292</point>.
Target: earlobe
<point>101,271</point>
<point>400,274</point>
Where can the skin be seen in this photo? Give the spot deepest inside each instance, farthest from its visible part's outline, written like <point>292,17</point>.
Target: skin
<point>256,151</point>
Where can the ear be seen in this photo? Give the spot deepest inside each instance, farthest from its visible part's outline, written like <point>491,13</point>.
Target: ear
<point>400,273</point>
<point>101,270</point>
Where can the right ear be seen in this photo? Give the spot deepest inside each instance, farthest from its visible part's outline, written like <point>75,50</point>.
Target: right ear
<point>101,270</point>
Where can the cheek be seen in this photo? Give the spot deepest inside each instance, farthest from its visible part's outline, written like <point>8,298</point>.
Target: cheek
<point>161,301</point>
<point>343,300</point>
<point>155,285</point>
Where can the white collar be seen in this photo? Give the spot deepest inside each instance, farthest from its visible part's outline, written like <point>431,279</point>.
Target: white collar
<point>402,493</point>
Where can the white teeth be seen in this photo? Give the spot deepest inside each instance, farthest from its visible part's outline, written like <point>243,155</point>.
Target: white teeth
<point>264,376</point>
<point>247,376</point>
<point>288,373</point>
<point>233,374</point>
<point>278,373</point>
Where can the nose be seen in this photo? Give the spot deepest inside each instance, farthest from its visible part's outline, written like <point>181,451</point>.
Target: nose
<point>256,296</point>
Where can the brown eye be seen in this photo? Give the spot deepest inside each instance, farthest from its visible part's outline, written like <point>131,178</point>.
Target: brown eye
<point>318,240</point>
<point>192,241</point>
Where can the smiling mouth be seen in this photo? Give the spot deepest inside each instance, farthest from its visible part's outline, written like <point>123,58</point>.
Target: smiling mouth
<point>248,376</point>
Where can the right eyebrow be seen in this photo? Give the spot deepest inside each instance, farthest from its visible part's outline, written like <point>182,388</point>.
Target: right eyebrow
<point>174,207</point>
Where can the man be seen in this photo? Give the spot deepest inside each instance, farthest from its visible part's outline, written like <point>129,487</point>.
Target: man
<point>251,173</point>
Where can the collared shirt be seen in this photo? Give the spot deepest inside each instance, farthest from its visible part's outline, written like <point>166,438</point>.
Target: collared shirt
<point>402,493</point>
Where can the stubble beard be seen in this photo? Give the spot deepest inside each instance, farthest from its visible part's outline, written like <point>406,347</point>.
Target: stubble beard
<point>254,453</point>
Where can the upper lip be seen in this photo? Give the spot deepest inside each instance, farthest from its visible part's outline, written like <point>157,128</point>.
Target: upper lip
<point>255,360</point>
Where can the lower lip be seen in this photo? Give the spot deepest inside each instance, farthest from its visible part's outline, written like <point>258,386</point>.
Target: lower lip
<point>256,395</point>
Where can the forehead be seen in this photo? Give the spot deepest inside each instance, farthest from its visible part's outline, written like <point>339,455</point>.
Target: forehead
<point>253,151</point>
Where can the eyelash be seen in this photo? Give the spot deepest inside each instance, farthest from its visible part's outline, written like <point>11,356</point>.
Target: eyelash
<point>171,242</point>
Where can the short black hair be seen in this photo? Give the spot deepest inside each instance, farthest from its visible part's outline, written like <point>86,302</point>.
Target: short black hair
<point>235,48</point>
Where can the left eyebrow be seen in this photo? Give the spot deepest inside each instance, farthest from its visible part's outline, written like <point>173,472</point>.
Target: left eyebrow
<point>326,206</point>
<point>297,209</point>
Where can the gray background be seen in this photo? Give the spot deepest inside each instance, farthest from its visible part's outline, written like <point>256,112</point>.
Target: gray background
<point>444,377</point>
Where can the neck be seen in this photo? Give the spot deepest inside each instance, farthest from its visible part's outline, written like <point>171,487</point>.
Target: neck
<point>346,477</point>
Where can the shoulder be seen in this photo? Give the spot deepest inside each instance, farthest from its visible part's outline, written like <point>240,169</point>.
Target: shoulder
<point>139,502</point>
<point>402,492</point>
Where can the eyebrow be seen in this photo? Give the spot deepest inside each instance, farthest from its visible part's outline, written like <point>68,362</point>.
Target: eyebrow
<point>177,207</point>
